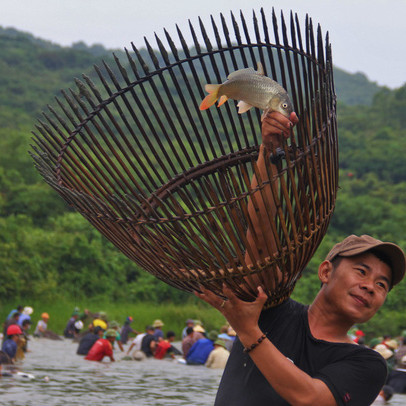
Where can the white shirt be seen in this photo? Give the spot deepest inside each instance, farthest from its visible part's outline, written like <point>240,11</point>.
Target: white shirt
<point>43,325</point>
<point>137,341</point>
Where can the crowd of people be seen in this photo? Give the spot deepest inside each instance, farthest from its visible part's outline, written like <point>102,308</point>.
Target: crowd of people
<point>393,350</point>
<point>98,337</point>
<point>196,346</point>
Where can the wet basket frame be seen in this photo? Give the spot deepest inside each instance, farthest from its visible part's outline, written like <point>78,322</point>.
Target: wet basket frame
<point>169,184</point>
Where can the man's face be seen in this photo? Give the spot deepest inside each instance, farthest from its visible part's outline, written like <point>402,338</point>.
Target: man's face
<point>358,286</point>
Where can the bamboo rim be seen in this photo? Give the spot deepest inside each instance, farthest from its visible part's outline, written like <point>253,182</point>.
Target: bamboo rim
<point>169,185</point>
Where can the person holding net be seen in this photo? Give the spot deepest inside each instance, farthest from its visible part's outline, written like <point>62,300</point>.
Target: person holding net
<point>296,354</point>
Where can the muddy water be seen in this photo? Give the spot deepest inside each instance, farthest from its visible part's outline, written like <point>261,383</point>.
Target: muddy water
<point>64,378</point>
<point>75,381</point>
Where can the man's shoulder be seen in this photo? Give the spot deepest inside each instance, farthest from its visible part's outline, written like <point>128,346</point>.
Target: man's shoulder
<point>288,308</point>
<point>9,343</point>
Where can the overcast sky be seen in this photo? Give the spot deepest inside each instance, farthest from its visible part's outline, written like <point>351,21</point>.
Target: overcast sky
<point>367,35</point>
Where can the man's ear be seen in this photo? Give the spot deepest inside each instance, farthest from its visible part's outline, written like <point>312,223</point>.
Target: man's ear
<point>325,270</point>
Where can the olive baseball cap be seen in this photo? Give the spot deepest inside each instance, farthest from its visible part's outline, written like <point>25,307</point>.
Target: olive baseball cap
<point>354,245</point>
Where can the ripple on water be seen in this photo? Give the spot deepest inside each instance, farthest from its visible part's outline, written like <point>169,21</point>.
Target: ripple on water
<point>75,381</point>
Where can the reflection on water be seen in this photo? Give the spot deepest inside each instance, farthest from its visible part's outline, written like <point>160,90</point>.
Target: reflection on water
<point>75,381</point>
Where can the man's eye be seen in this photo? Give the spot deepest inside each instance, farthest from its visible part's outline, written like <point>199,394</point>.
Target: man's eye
<point>382,285</point>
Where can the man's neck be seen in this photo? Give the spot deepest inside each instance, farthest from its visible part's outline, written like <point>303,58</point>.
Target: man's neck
<point>326,325</point>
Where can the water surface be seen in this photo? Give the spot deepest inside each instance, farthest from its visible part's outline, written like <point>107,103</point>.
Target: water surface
<point>75,381</point>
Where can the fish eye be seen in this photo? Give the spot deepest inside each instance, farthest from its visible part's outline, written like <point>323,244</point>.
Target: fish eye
<point>285,105</point>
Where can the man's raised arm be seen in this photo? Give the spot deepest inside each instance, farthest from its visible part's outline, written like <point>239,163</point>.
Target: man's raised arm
<point>261,206</point>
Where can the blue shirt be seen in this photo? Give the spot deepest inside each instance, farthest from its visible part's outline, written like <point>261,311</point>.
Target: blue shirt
<point>158,333</point>
<point>10,315</point>
<point>10,347</point>
<point>22,318</point>
<point>200,351</point>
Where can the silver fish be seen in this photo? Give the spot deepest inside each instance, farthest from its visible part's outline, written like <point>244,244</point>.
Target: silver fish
<point>252,89</point>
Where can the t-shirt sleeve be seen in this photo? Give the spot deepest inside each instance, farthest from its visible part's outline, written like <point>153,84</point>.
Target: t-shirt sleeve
<point>355,380</point>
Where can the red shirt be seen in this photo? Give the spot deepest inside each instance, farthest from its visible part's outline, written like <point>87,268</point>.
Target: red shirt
<point>161,349</point>
<point>100,349</point>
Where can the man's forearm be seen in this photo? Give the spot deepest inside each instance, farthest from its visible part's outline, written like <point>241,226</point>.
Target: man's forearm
<point>261,212</point>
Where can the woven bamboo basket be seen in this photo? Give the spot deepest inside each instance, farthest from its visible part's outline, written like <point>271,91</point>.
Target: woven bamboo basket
<point>169,185</point>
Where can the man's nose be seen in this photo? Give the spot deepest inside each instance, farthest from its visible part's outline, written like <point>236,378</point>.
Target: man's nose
<point>368,285</point>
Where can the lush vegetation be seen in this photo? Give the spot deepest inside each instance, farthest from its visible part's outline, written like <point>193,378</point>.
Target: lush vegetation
<point>51,255</point>
<point>143,313</point>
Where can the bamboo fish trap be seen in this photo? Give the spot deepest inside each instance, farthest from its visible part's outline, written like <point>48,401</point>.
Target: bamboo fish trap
<point>169,185</point>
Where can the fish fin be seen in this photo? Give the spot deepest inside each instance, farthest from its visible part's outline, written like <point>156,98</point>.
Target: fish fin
<point>211,98</point>
<point>264,113</point>
<point>243,107</point>
<point>260,69</point>
<point>222,100</point>
<point>240,71</point>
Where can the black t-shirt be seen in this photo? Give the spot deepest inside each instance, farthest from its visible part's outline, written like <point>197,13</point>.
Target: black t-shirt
<point>353,373</point>
<point>70,328</point>
<point>86,343</point>
<point>146,345</point>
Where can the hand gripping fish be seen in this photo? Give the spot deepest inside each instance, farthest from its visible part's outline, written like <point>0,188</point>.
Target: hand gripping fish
<point>252,89</point>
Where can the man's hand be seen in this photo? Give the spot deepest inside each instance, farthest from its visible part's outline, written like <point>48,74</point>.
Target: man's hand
<point>274,126</point>
<point>242,316</point>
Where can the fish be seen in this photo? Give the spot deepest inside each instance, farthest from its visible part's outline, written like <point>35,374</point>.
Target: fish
<point>253,89</point>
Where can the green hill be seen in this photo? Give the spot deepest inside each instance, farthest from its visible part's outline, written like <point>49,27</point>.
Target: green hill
<point>354,89</point>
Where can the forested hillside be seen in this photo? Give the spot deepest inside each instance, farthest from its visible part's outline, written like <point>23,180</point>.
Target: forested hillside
<point>48,250</point>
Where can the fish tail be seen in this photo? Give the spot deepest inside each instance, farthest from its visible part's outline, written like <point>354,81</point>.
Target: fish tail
<point>211,98</point>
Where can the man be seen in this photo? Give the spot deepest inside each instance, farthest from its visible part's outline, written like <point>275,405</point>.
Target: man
<point>19,309</point>
<point>136,343</point>
<point>188,341</point>
<point>201,349</point>
<point>103,347</point>
<point>148,343</point>
<point>22,343</point>
<point>25,315</point>
<point>219,356</point>
<point>165,347</point>
<point>42,325</point>
<point>397,377</point>
<point>158,333</point>
<point>13,320</point>
<point>9,346</point>
<point>294,354</point>
<point>126,330</point>
<point>70,331</point>
<point>189,323</point>
<point>101,320</point>
<point>88,340</point>
<point>114,326</point>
